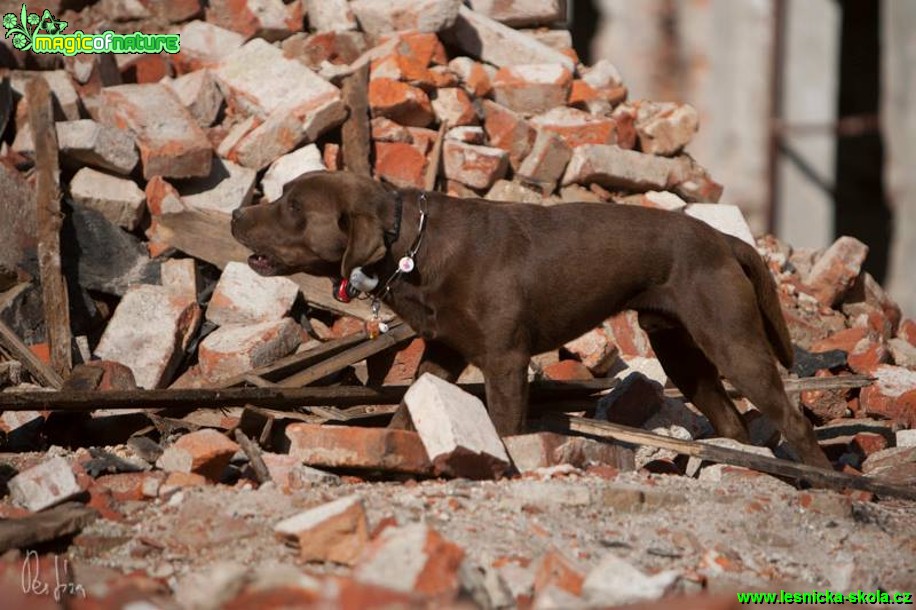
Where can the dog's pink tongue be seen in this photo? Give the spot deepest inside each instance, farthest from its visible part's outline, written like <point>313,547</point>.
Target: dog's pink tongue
<point>259,262</point>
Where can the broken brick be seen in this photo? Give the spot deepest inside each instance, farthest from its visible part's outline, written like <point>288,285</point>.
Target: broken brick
<point>237,348</point>
<point>509,131</point>
<point>613,167</point>
<point>377,18</point>
<point>475,166</point>
<point>118,199</point>
<point>337,531</point>
<point>264,18</point>
<point>289,167</point>
<point>355,447</point>
<point>577,127</point>
<point>547,161</point>
<point>453,107</point>
<point>205,452</point>
<point>400,102</point>
<point>836,270</point>
<point>97,145</point>
<point>531,89</point>
<point>42,486</point>
<point>400,164</point>
<point>242,296</point>
<point>594,350</point>
<point>665,128</point>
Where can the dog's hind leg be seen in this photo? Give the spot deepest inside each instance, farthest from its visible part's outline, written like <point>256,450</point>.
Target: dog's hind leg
<point>506,375</point>
<point>729,330</point>
<point>694,375</point>
<point>439,360</point>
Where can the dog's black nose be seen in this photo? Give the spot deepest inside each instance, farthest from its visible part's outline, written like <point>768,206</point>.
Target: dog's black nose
<point>236,213</point>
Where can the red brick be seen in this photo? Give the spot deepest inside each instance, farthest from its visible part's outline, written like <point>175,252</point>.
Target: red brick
<point>115,376</point>
<point>338,48</point>
<point>400,164</point>
<point>242,296</point>
<point>836,270</point>
<point>425,47</point>
<point>404,68</point>
<point>509,131</point>
<point>473,75</point>
<point>400,102</point>
<point>236,348</point>
<point>545,449</point>
<point>354,447</point>
<point>476,166</point>
<point>692,182</point>
<point>665,128</point>
<point>345,326</point>
<point>613,167</point>
<point>386,130</point>
<point>631,340</point>
<point>443,78</point>
<point>625,121</point>
<point>146,68</point>
<point>907,331</point>
<point>406,362</point>
<point>556,570</point>
<point>130,486</point>
<point>867,355</point>
<point>337,531</point>
<point>547,160</point>
<point>577,127</point>
<point>265,18</point>
<point>893,395</point>
<point>331,155</point>
<point>205,452</point>
<point>453,106</point>
<point>567,370</point>
<point>532,88</point>
<point>594,350</point>
<point>170,141</point>
<point>181,480</point>
<point>826,404</point>
<point>845,340</point>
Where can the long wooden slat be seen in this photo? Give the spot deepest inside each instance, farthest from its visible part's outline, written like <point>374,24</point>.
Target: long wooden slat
<point>42,373</point>
<point>54,296</point>
<point>356,148</point>
<point>820,477</point>
<point>284,367</point>
<point>397,334</point>
<point>45,526</point>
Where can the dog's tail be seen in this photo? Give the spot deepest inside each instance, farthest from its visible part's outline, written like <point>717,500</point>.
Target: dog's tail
<point>767,299</point>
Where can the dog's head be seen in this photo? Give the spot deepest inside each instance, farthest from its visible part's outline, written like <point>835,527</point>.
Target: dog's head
<point>325,224</point>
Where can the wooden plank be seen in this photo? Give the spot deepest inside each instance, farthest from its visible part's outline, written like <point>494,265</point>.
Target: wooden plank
<point>261,473</point>
<point>396,335</point>
<point>820,477</point>
<point>273,397</point>
<point>435,157</point>
<point>49,219</point>
<point>284,367</point>
<point>355,134</point>
<point>207,236</point>
<point>45,526</point>
<point>42,373</point>
<point>799,385</point>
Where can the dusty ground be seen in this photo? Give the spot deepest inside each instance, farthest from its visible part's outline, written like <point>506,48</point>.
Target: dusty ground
<point>743,532</point>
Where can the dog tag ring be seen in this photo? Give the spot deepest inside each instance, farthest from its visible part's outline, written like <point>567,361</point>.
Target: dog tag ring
<point>406,264</point>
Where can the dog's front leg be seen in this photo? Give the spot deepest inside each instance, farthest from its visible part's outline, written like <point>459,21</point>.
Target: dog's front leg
<point>507,391</point>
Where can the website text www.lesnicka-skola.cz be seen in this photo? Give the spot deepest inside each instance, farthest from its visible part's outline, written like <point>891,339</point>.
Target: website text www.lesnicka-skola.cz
<point>827,597</point>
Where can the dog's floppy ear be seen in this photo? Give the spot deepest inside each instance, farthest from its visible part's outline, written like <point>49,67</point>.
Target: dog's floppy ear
<point>365,242</point>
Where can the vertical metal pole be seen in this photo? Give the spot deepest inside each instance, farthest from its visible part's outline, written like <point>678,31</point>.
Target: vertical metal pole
<point>777,82</point>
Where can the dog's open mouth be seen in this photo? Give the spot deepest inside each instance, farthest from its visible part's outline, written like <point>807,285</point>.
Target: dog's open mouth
<point>263,264</point>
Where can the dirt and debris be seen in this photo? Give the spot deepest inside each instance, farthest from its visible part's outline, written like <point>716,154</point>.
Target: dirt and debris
<point>177,431</point>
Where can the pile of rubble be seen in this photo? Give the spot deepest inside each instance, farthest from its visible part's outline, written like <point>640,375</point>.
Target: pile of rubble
<point>483,100</point>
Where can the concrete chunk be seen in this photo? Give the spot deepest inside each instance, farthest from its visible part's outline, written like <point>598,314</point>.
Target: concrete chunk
<point>614,167</point>
<point>97,145</point>
<point>725,218</point>
<point>45,485</point>
<point>337,531</point>
<point>234,349</point>
<point>455,429</point>
<point>148,333</point>
<point>243,297</point>
<point>170,141</point>
<point>289,167</point>
<point>199,93</point>
<point>205,45</point>
<point>377,17</point>
<point>227,187</point>
<point>547,161</point>
<point>412,558</point>
<point>522,13</point>
<point>119,200</point>
<point>498,44</point>
<point>615,581</point>
<point>330,15</point>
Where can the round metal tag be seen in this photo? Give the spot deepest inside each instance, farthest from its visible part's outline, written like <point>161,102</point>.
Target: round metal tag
<point>406,264</point>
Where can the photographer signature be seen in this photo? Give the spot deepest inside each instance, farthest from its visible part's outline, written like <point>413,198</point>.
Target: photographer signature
<point>32,582</point>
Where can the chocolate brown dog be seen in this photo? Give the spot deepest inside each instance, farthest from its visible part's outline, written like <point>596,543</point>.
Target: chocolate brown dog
<point>494,283</point>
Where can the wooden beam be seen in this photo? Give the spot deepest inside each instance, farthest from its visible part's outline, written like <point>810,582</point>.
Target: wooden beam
<point>396,335</point>
<point>355,137</point>
<point>435,157</point>
<point>42,373</point>
<point>272,397</point>
<point>207,236</point>
<point>820,477</point>
<point>49,219</point>
<point>284,367</point>
<point>45,526</point>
